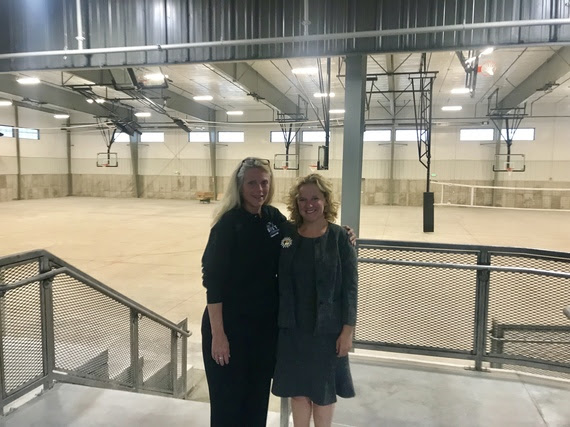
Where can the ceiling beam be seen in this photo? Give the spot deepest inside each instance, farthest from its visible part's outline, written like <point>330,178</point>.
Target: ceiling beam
<point>547,74</point>
<point>120,79</point>
<point>44,93</point>
<point>256,85</point>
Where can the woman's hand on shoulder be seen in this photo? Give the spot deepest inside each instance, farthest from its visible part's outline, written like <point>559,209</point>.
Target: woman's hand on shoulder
<point>351,234</point>
<point>344,341</point>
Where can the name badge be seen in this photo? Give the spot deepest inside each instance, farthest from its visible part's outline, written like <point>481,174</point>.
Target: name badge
<point>272,229</point>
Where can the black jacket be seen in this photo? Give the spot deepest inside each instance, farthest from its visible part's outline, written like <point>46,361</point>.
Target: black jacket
<point>239,265</point>
<point>336,276</point>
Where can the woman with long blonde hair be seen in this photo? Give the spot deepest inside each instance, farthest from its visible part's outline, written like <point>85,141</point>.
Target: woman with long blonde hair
<point>239,325</point>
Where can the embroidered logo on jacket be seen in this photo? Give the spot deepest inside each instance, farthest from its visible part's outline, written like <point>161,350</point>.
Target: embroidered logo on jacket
<point>272,229</point>
<point>286,242</point>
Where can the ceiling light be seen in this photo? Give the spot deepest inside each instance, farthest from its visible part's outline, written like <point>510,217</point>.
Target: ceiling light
<point>203,98</point>
<point>155,76</point>
<point>61,116</point>
<point>234,113</point>
<point>451,108</point>
<point>143,114</point>
<point>305,70</point>
<point>90,101</point>
<point>99,100</point>
<point>323,95</point>
<point>336,111</point>
<point>5,103</point>
<point>28,80</point>
<point>459,90</point>
<point>487,51</point>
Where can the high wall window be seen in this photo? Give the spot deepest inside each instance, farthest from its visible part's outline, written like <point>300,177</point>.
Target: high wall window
<point>277,136</point>
<point>476,134</point>
<point>122,137</point>
<point>152,137</point>
<point>225,136</point>
<point>377,135</point>
<point>521,134</point>
<point>406,135</point>
<point>27,133</point>
<point>199,137</point>
<point>8,131</point>
<point>314,136</point>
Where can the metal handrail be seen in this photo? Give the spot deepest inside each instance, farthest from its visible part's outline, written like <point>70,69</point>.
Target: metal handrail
<point>66,268</point>
<point>127,301</point>
<point>466,267</point>
<point>458,248</point>
<point>38,278</point>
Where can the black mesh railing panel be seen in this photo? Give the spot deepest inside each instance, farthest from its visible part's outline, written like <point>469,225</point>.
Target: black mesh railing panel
<point>91,331</point>
<point>416,306</point>
<point>535,262</point>
<point>553,346</point>
<point>527,299</point>
<point>154,348</point>
<point>531,305</point>
<point>13,273</point>
<point>21,320</point>
<point>426,255</point>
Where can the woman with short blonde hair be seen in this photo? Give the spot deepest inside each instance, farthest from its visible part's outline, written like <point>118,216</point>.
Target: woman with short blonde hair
<point>325,186</point>
<point>317,305</point>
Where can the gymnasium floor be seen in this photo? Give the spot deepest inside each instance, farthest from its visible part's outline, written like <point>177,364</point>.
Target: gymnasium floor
<point>150,250</point>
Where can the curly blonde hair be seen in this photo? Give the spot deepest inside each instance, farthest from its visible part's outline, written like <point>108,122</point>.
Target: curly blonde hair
<point>325,186</point>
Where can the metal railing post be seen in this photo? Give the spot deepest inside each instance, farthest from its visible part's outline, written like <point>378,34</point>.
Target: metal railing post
<point>481,309</point>
<point>134,334</point>
<point>285,411</point>
<point>184,363</point>
<point>174,362</point>
<point>48,336</point>
<point>497,343</point>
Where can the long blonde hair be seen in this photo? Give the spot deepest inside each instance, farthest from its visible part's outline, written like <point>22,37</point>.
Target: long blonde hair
<point>232,197</point>
<point>325,186</point>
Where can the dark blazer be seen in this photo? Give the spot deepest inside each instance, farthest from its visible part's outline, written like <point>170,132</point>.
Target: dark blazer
<point>336,275</point>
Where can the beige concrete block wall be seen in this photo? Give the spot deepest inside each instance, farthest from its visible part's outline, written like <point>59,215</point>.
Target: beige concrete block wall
<point>8,187</point>
<point>173,186</point>
<point>103,185</point>
<point>38,186</point>
<point>44,186</point>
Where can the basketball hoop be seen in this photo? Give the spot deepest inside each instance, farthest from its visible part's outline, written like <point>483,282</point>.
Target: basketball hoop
<point>313,168</point>
<point>510,171</point>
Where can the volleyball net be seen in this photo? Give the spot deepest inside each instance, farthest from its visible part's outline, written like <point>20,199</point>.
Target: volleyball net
<point>484,196</point>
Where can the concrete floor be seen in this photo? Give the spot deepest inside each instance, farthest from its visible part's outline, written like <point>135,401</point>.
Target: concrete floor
<point>150,250</point>
<point>389,393</point>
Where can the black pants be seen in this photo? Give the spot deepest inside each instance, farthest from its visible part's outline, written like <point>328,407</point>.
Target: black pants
<point>239,391</point>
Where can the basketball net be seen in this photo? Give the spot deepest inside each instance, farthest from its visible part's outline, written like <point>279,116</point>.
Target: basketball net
<point>510,171</point>
<point>313,168</point>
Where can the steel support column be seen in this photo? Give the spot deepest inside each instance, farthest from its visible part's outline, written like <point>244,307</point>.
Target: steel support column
<point>213,157</point>
<point>69,174</point>
<point>354,105</point>
<point>18,154</point>
<point>134,145</point>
